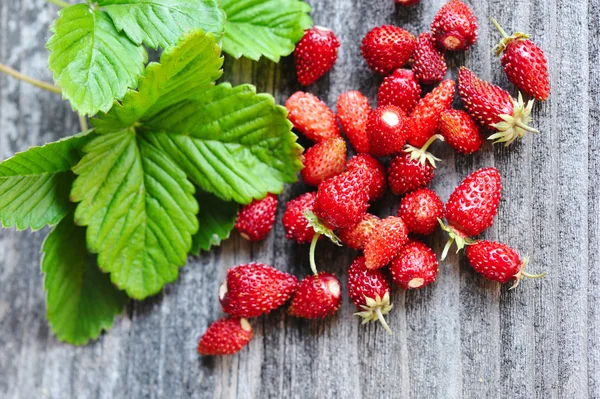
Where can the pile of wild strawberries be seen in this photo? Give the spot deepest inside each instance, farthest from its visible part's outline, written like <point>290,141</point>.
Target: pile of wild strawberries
<point>402,127</point>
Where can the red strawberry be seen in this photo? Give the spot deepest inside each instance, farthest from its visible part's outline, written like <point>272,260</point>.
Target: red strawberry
<point>387,48</point>
<point>524,63</point>
<point>421,210</point>
<point>324,160</point>
<point>454,27</point>
<point>254,289</point>
<point>256,219</point>
<point>369,290</point>
<point>315,54</point>
<point>355,236</point>
<point>385,241</point>
<point>312,117</point>
<point>295,224</point>
<point>495,108</point>
<point>400,89</point>
<point>460,131</point>
<point>343,200</point>
<point>387,130</point>
<point>472,206</point>
<point>498,262</point>
<point>406,174</point>
<point>225,337</point>
<point>407,2</point>
<point>426,115</point>
<point>377,182</point>
<point>317,296</point>
<point>353,109</point>
<point>415,267</point>
<point>430,64</point>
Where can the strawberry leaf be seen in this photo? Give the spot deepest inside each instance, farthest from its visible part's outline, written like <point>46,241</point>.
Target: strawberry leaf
<point>160,23</point>
<point>139,208</point>
<point>230,141</point>
<point>35,184</point>
<point>92,62</point>
<point>184,70</point>
<point>80,300</point>
<point>216,219</point>
<point>268,28</point>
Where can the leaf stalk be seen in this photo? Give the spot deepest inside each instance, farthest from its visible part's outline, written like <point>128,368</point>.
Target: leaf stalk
<point>38,83</point>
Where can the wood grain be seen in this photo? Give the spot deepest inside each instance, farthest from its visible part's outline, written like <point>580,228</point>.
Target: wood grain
<point>460,338</point>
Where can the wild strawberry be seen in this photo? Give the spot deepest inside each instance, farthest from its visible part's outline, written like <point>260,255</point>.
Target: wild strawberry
<point>400,89</point>
<point>498,262</point>
<point>312,117</point>
<point>472,206</point>
<point>460,131</point>
<point>430,64</point>
<point>294,223</point>
<point>225,337</point>
<point>315,54</point>
<point>387,130</point>
<point>369,290</point>
<point>353,109</point>
<point>407,2</point>
<point>317,296</point>
<point>377,182</point>
<point>524,63</point>
<point>355,236</point>
<point>421,210</point>
<point>324,160</point>
<point>256,219</point>
<point>426,115</point>
<point>385,241</point>
<point>343,199</point>
<point>387,48</point>
<point>454,27</point>
<point>495,108</point>
<point>254,289</point>
<point>415,267</point>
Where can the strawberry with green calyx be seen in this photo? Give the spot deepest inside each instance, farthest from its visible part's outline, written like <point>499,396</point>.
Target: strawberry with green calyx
<point>524,63</point>
<point>421,154</point>
<point>369,290</point>
<point>225,337</point>
<point>472,207</point>
<point>294,223</point>
<point>498,262</point>
<point>318,296</point>
<point>320,229</point>
<point>495,108</point>
<point>406,174</point>
<point>256,219</point>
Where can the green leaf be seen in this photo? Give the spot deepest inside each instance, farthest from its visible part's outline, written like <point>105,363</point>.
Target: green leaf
<point>161,22</point>
<point>231,142</point>
<point>184,70</point>
<point>92,62</point>
<point>81,301</point>
<point>35,184</point>
<point>269,28</point>
<point>216,219</point>
<point>139,208</point>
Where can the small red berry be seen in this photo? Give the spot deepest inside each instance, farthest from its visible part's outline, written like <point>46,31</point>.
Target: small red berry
<point>400,89</point>
<point>430,64</point>
<point>385,241</point>
<point>353,109</point>
<point>256,219</point>
<point>387,130</point>
<point>324,160</point>
<point>426,115</point>
<point>317,296</point>
<point>312,117</point>
<point>294,223</point>
<point>415,267</point>
<point>406,174</point>
<point>420,210</point>
<point>356,236</point>
<point>225,337</point>
<point>454,27</point>
<point>407,2</point>
<point>377,182</point>
<point>315,54</point>
<point>460,131</point>
<point>387,48</point>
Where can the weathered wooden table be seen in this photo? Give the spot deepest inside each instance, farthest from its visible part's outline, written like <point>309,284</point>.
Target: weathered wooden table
<point>462,337</point>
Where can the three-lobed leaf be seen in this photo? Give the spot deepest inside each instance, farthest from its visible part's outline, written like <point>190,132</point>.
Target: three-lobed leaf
<point>216,219</point>
<point>81,301</point>
<point>160,23</point>
<point>35,184</point>
<point>139,210</point>
<point>92,62</point>
<point>268,28</point>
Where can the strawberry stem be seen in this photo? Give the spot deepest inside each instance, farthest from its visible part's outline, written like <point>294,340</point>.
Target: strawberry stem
<point>59,3</point>
<point>38,83</point>
<point>447,248</point>
<point>497,25</point>
<point>382,320</point>
<point>313,246</point>
<point>522,274</point>
<point>431,140</point>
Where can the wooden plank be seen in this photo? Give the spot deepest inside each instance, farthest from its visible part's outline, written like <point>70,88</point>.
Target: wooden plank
<point>460,338</point>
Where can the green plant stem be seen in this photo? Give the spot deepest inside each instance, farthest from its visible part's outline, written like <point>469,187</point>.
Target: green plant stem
<point>59,3</point>
<point>497,25</point>
<point>83,123</point>
<point>313,245</point>
<point>38,83</point>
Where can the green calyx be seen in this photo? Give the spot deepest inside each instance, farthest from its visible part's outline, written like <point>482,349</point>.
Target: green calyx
<point>421,153</point>
<point>455,237</point>
<point>522,274</point>
<point>516,125</point>
<point>375,309</point>
<point>506,39</point>
<point>320,229</point>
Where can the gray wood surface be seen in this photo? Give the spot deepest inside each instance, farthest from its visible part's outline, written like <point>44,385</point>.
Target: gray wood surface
<point>460,338</point>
